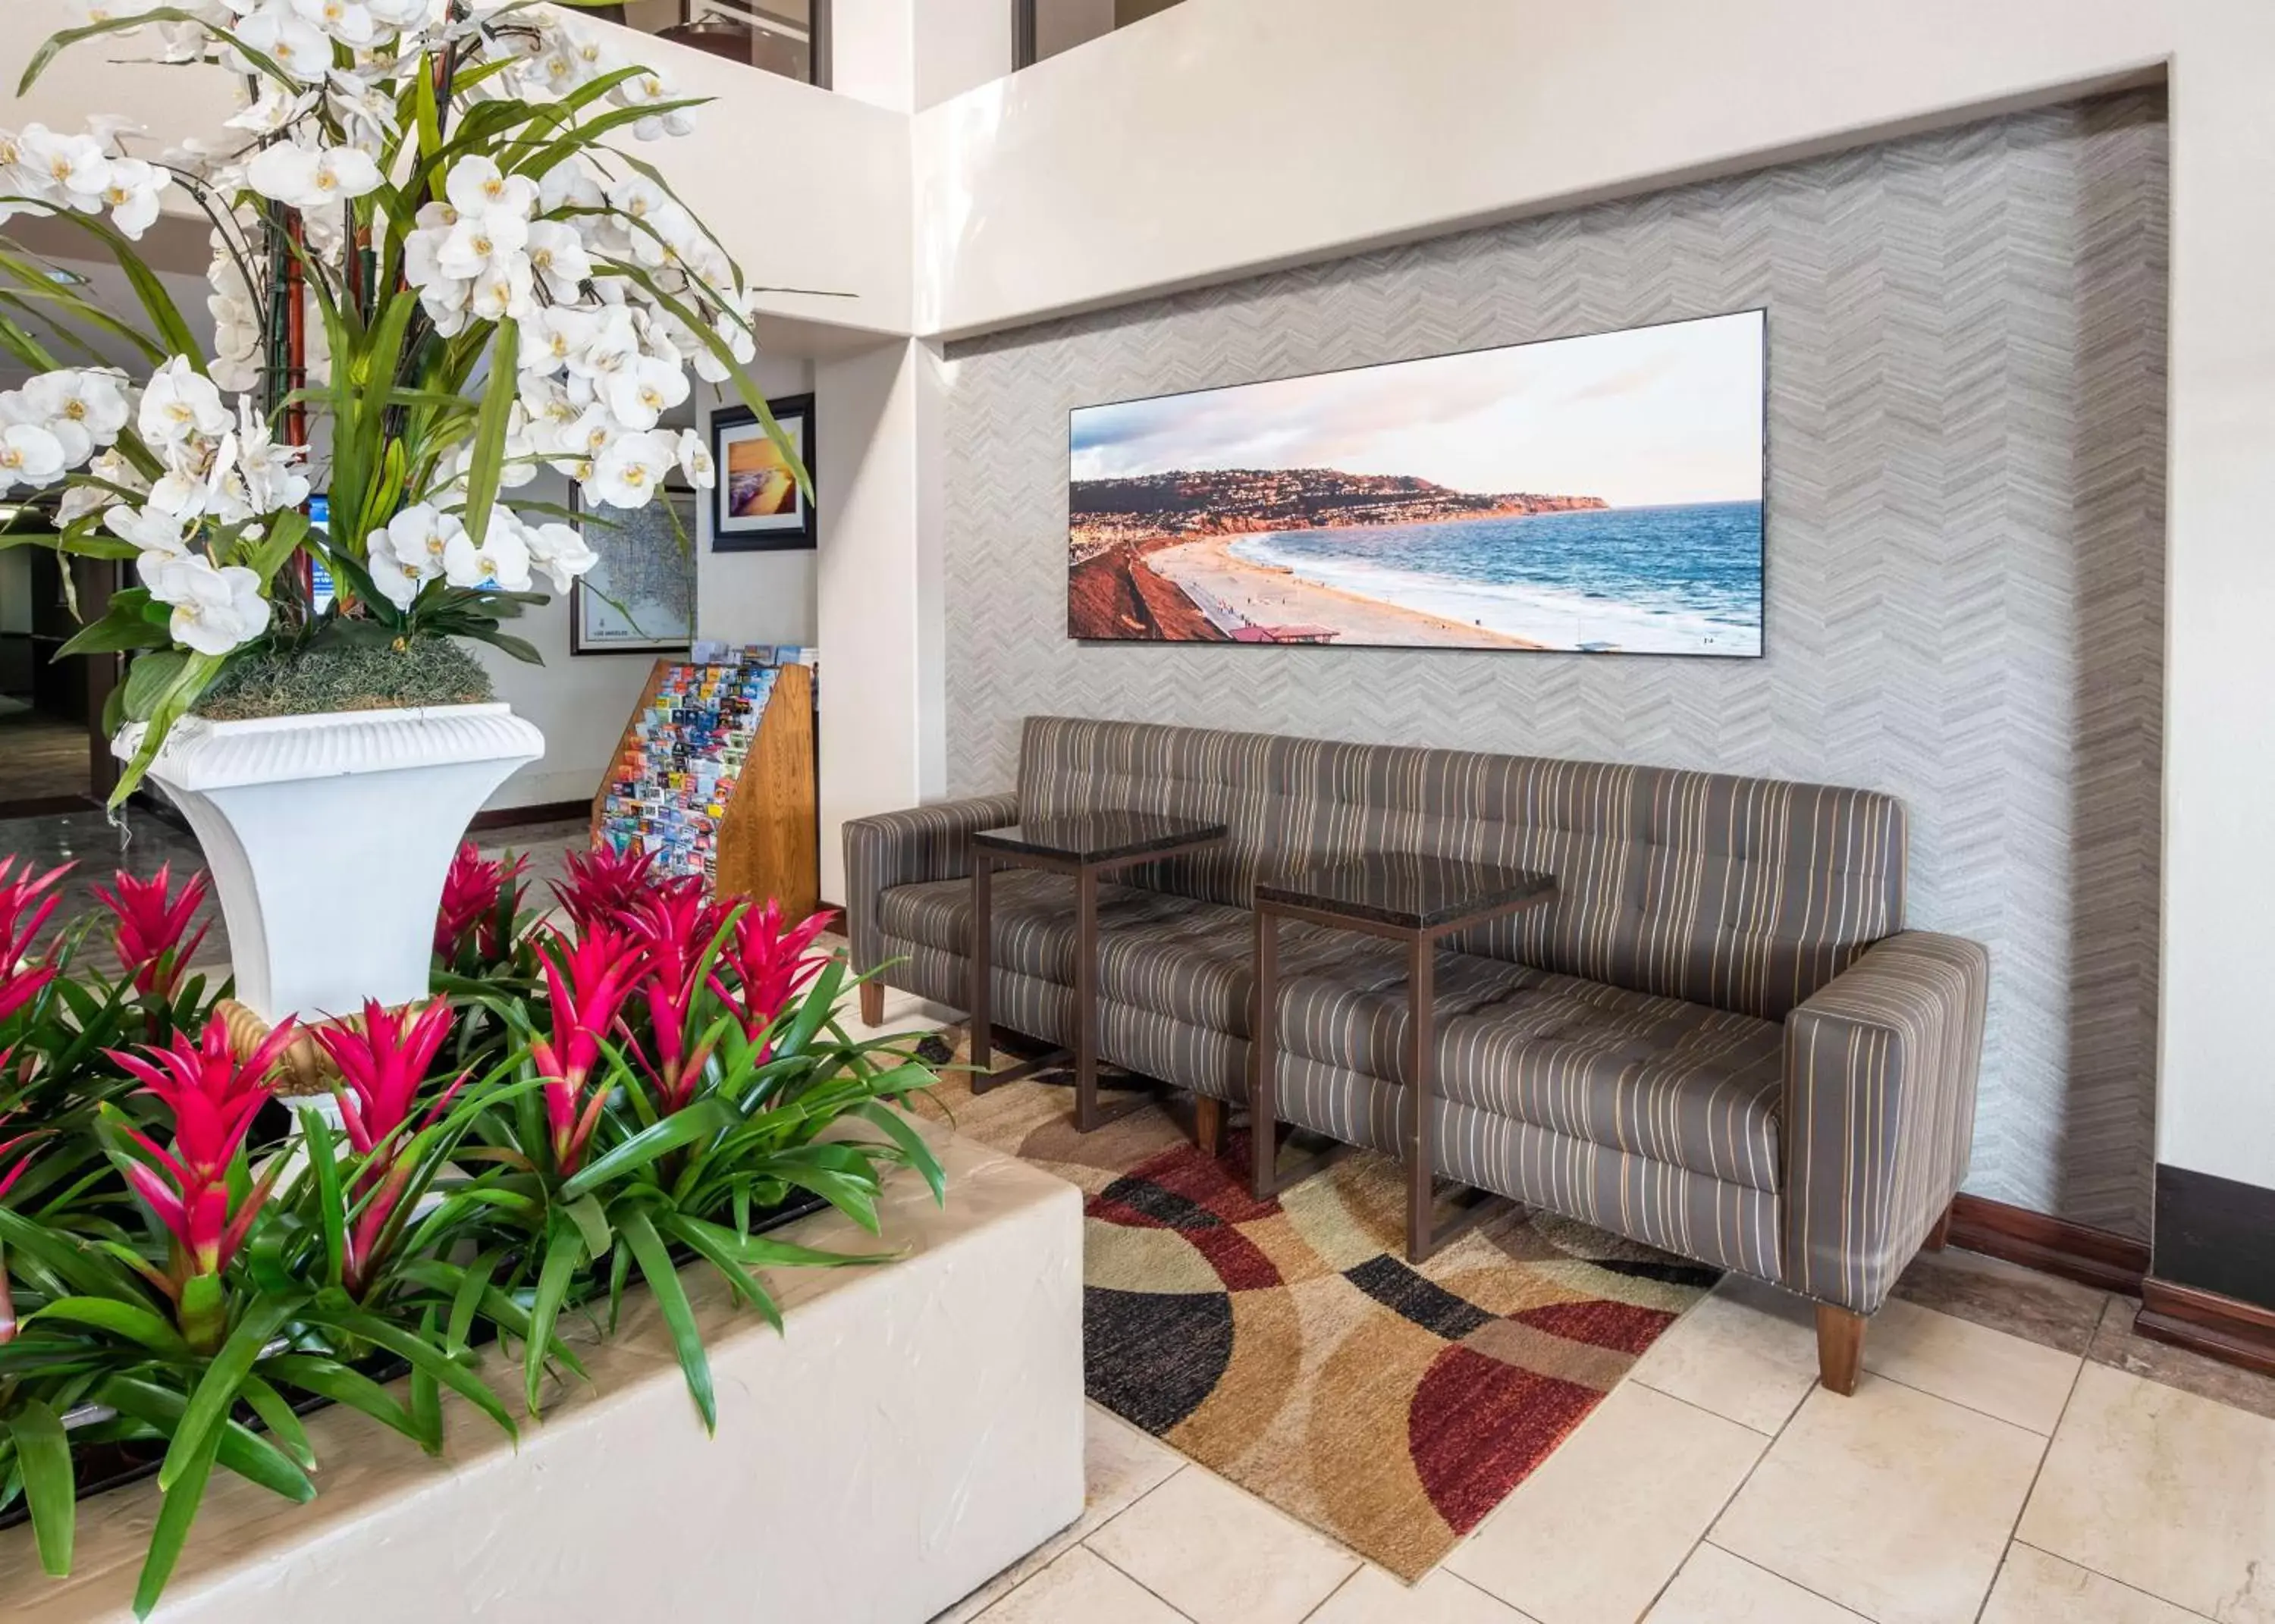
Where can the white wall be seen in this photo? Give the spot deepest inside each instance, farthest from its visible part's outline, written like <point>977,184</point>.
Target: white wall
<point>756,597</point>
<point>882,686</point>
<point>1232,135</point>
<point>808,190</point>
<point>960,45</point>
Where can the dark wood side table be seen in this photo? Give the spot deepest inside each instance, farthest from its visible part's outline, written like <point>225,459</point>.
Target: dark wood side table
<point>1408,898</point>
<point>1085,845</point>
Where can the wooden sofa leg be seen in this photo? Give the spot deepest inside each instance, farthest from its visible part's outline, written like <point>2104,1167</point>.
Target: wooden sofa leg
<point>1941,1233</point>
<point>873,1003</point>
<point>1839,1348</point>
<point>1208,1125</point>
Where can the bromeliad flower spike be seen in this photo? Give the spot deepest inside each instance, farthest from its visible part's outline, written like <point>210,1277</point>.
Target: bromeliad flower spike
<point>27,902</point>
<point>212,1096</point>
<point>148,925</point>
<point>433,259</point>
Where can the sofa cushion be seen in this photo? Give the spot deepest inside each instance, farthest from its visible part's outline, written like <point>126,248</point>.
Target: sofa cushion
<point>1747,894</point>
<point>1656,1077</point>
<point>1672,1082</point>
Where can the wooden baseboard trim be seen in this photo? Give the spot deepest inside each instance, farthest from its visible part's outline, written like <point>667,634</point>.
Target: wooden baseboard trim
<point>2101,1258</point>
<point>548,811</point>
<point>2207,1322</point>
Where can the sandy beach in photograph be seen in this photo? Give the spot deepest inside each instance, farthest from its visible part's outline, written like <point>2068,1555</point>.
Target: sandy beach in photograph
<point>1231,590</point>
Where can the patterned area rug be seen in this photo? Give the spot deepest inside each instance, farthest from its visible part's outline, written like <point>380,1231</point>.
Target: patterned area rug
<point>1287,1345</point>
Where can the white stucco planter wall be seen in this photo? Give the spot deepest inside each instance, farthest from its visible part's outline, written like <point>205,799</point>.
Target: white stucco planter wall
<point>328,838</point>
<point>917,1428</point>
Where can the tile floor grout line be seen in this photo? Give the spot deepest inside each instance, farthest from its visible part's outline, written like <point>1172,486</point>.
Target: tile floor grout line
<point>1977,1410</point>
<point>2121,1584</point>
<point>1480,1590</point>
<point>1720,1512</point>
<point>2021,1508</point>
<point>1863,1618</point>
<point>1125,1573</point>
<point>1084,1545</point>
<point>1183,1465</point>
<point>1717,1414</point>
<point>1348,1580</point>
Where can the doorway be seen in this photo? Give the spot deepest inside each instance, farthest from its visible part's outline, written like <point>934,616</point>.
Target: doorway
<point>51,708</point>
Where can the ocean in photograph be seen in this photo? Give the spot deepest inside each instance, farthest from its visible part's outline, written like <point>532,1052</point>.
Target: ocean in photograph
<point>1665,580</point>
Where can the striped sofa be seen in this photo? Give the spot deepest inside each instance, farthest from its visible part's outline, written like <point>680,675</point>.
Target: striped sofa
<point>1718,1039</point>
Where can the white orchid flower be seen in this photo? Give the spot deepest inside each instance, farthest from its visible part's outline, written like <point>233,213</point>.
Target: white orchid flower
<point>556,253</point>
<point>291,41</point>
<point>695,461</point>
<point>555,337</point>
<point>476,186</point>
<point>272,109</point>
<point>569,185</point>
<point>107,12</point>
<point>560,552</point>
<point>310,177</point>
<point>29,454</point>
<point>147,528</point>
<point>424,533</point>
<point>501,560</point>
<point>132,195</point>
<point>505,291</point>
<point>631,469</point>
<point>482,243</point>
<point>71,168</point>
<point>84,409</point>
<point>215,610</point>
<point>96,496</point>
<point>642,392</point>
<point>406,13</point>
<point>272,474</point>
<point>400,568</point>
<point>348,22</point>
<point>355,101</point>
<point>178,403</point>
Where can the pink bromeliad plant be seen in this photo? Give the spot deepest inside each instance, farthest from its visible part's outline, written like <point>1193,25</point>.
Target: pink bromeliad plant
<point>212,1097</point>
<point>587,980</point>
<point>384,1062</point>
<point>475,928</point>
<point>27,901</point>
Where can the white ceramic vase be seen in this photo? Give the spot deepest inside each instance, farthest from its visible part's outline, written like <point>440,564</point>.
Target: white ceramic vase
<point>328,838</point>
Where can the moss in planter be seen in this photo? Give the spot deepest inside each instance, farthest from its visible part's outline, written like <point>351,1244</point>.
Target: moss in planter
<point>347,678</point>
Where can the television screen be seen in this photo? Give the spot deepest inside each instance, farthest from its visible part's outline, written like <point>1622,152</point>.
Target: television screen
<point>1597,495</point>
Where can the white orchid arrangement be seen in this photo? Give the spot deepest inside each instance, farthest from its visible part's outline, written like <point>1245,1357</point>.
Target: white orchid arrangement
<point>434,274</point>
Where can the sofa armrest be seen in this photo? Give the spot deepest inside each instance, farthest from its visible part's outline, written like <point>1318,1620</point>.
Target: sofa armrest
<point>1880,1112</point>
<point>907,848</point>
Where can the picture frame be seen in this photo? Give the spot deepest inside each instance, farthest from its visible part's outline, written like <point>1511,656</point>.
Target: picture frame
<point>757,506</point>
<point>643,545</point>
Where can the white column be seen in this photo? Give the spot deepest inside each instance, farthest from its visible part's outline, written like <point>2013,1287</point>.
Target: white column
<point>878,471</point>
<point>2217,1096</point>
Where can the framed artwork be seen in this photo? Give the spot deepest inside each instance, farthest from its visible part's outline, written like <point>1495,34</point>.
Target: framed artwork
<point>759,507</point>
<point>1599,495</point>
<point>640,597</point>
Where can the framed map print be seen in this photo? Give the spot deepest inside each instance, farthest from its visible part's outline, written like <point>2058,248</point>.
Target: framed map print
<point>761,507</point>
<point>640,597</point>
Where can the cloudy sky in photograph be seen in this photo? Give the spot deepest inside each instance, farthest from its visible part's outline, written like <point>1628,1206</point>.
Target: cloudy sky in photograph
<point>1649,417</point>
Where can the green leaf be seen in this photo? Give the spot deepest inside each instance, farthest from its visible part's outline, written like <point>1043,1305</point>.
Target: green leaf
<point>902,1133</point>
<point>564,1253</point>
<point>176,1512</point>
<point>498,402</point>
<point>520,648</point>
<point>678,1315</point>
<point>592,1223</point>
<point>423,1356</point>
<point>125,626</point>
<point>47,52</point>
<point>276,1415</point>
<point>147,677</point>
<point>43,1456</point>
<point>699,1120</point>
<point>331,1209</point>
<point>217,1390</point>
<point>328,1379</point>
<point>136,1325</point>
<point>720,1254</point>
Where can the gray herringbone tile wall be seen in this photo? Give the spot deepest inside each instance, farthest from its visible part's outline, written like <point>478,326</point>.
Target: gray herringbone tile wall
<point>1965,533</point>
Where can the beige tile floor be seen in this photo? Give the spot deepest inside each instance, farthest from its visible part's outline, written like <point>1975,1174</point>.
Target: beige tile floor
<point>2013,1456</point>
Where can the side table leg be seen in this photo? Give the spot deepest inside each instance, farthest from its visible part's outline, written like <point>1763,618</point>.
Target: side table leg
<point>1421,1053</point>
<point>982,969</point>
<point>1264,1060</point>
<point>1086,1001</point>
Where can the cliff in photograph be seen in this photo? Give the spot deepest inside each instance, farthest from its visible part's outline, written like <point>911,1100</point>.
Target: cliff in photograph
<point>1103,513</point>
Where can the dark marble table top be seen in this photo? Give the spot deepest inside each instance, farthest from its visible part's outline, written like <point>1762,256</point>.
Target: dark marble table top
<point>1405,889</point>
<point>1099,836</point>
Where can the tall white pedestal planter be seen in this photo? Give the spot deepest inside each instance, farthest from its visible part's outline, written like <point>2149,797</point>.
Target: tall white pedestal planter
<point>328,838</point>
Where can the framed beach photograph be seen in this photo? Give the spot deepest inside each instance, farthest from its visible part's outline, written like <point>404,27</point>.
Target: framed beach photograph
<point>759,507</point>
<point>639,599</point>
<point>1599,495</point>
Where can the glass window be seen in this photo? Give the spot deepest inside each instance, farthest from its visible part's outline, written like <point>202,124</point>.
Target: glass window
<point>778,36</point>
<point>1046,27</point>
